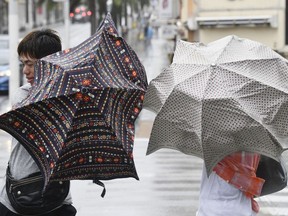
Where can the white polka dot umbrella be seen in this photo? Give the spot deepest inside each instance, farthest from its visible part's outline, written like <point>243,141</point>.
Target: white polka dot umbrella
<point>223,97</point>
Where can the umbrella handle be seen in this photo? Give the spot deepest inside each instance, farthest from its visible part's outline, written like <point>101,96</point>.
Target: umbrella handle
<point>102,185</point>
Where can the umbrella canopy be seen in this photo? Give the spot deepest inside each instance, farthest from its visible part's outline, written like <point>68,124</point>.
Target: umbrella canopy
<point>78,120</point>
<point>227,96</point>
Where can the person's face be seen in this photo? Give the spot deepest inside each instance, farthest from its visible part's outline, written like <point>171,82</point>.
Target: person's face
<point>28,68</point>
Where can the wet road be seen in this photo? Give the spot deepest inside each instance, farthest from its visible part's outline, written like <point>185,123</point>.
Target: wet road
<point>169,181</point>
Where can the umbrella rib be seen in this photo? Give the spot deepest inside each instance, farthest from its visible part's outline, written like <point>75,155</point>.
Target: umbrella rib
<point>252,78</point>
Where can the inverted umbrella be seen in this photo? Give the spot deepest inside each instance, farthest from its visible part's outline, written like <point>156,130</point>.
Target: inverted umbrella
<point>78,120</point>
<point>227,96</point>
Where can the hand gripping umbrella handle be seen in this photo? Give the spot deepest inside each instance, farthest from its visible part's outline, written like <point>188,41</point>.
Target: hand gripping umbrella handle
<point>102,185</point>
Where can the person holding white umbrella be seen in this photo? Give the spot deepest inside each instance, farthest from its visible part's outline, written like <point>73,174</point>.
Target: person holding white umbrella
<point>225,102</point>
<point>232,185</point>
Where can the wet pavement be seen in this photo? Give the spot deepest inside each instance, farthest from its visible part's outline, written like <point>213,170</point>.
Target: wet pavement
<point>169,180</point>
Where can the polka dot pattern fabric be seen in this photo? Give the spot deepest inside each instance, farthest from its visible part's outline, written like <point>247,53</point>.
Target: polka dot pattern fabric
<point>220,98</point>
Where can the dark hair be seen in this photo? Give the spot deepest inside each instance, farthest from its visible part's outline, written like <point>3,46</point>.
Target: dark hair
<point>40,43</point>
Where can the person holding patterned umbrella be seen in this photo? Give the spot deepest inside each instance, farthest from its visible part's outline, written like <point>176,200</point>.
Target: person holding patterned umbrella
<point>78,120</point>
<point>22,167</point>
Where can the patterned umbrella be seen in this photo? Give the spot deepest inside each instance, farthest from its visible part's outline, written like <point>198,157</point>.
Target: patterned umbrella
<point>78,120</point>
<point>223,97</point>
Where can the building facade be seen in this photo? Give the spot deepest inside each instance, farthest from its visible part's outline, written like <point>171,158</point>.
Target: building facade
<point>260,20</point>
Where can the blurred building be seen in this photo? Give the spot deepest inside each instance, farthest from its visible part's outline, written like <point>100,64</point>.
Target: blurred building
<point>188,15</point>
<point>168,9</point>
<point>261,20</point>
